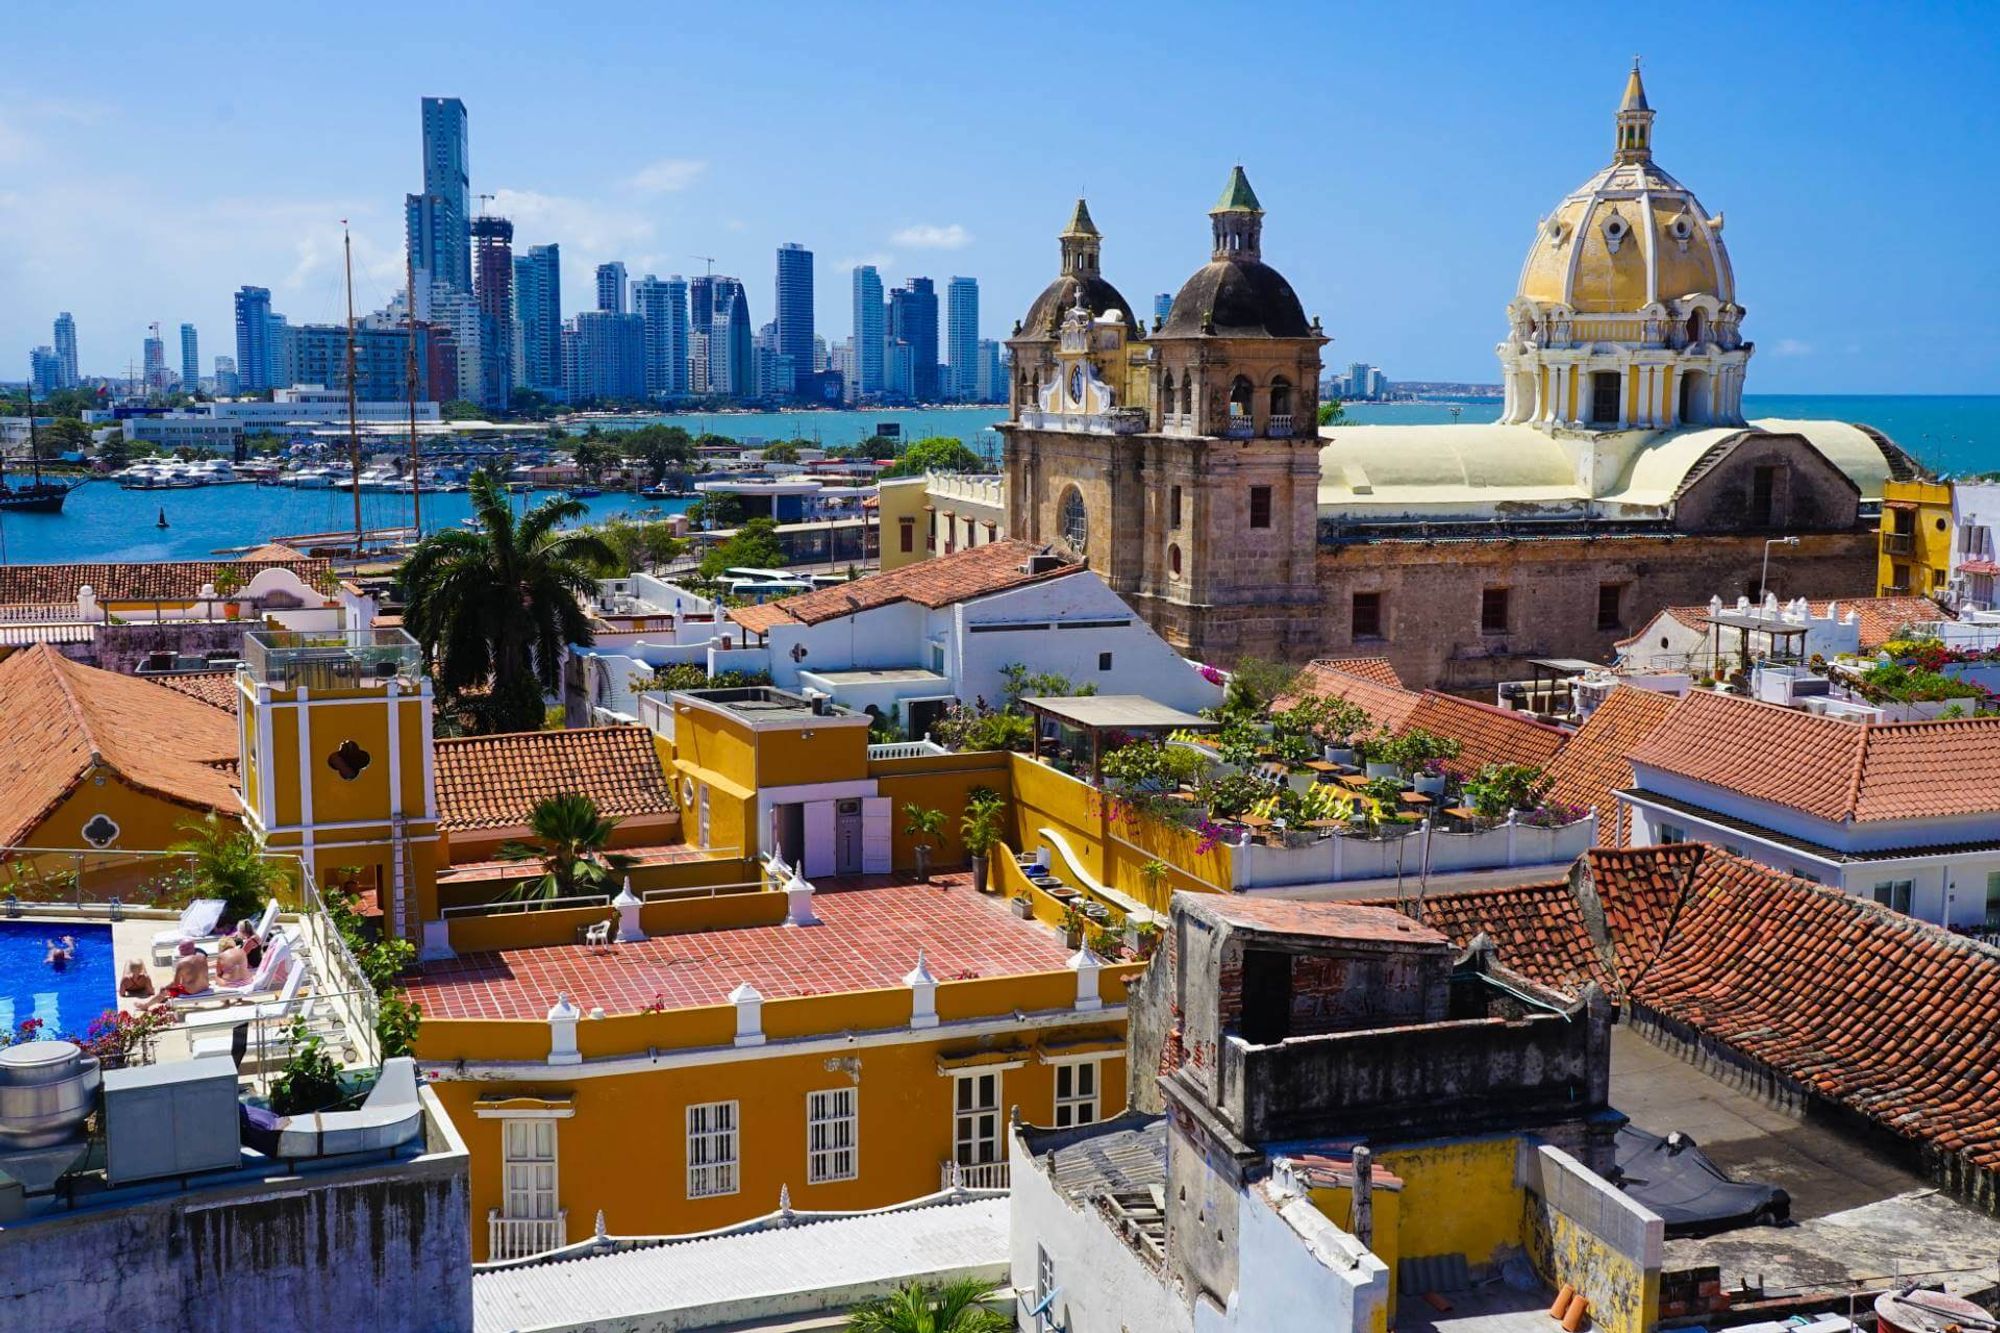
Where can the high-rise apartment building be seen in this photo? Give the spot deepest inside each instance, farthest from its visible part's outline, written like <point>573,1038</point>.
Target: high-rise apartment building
<point>190,360</point>
<point>869,333</point>
<point>1163,305</point>
<point>44,370</point>
<point>66,350</point>
<point>913,319</point>
<point>283,341</point>
<point>732,368</point>
<point>962,337</point>
<point>226,382</point>
<point>253,338</point>
<point>156,362</point>
<point>381,358</point>
<point>795,312</point>
<point>662,307</point>
<point>608,356</point>
<point>538,310</point>
<point>990,384</point>
<point>438,221</point>
<point>898,370</point>
<point>611,287</point>
<point>493,287</point>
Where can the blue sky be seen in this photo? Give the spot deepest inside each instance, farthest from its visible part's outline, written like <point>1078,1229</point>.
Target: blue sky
<point>153,158</point>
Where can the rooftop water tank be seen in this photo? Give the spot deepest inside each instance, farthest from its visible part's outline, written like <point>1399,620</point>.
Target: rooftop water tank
<point>47,1090</point>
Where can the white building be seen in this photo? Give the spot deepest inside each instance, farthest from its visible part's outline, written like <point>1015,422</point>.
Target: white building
<point>183,430</point>
<point>1975,558</point>
<point>316,405</point>
<point>1905,813</point>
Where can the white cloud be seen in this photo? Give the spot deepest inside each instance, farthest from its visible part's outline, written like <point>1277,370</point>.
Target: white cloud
<point>927,237</point>
<point>666,175</point>
<point>581,224</point>
<point>1791,347</point>
<point>881,259</point>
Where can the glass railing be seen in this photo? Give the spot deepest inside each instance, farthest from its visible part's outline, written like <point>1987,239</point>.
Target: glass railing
<point>331,659</point>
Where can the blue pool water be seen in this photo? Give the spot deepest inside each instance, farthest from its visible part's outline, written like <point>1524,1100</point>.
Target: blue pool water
<point>65,1001</point>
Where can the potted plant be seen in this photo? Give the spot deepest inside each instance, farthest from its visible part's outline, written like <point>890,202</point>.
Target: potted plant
<point>1414,750</point>
<point>1431,777</point>
<point>1499,789</point>
<point>926,827</point>
<point>979,827</point>
<point>1105,943</point>
<point>1072,927</point>
<point>1023,906</point>
<point>1145,938</point>
<point>1154,874</point>
<point>310,1080</point>
<point>1375,754</point>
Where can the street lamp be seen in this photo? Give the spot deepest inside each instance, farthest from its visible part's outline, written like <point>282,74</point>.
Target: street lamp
<point>1763,575</point>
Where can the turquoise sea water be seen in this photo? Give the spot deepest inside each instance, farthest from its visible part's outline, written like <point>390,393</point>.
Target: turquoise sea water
<point>101,522</point>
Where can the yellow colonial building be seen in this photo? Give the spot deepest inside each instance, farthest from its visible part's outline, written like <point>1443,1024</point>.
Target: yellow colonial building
<point>1916,539</point>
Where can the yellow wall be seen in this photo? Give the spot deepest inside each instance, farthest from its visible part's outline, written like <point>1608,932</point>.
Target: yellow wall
<point>1929,559</point>
<point>1111,847</point>
<point>939,782</point>
<point>902,498</point>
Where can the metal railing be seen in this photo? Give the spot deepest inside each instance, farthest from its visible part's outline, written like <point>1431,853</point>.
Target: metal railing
<point>675,895</point>
<point>522,906</point>
<point>1899,543</point>
<point>979,1176</point>
<point>520,1237</point>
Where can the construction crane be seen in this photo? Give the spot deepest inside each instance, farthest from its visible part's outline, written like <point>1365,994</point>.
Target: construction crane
<point>706,259</point>
<point>484,200</point>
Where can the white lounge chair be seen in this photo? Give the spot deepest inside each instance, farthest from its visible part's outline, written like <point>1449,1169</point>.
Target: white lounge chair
<point>390,1117</point>
<point>266,922</point>
<point>203,1025</point>
<point>197,922</point>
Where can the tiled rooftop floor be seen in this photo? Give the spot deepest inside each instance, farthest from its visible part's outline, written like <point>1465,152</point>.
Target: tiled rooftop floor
<point>494,868</point>
<point>869,936</point>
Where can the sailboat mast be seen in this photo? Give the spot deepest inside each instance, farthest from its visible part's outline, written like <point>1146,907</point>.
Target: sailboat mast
<point>410,386</point>
<point>353,412</point>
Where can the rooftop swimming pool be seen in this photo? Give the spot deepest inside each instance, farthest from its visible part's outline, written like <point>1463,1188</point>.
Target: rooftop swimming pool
<point>65,1001</point>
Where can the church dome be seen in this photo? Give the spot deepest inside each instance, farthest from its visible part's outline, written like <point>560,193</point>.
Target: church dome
<point>1631,236</point>
<point>1236,294</point>
<point>1081,245</point>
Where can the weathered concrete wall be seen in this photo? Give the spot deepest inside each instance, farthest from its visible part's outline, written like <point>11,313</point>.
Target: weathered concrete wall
<point>1431,591</point>
<point>1299,1270</point>
<point>1584,1232</point>
<point>122,648</point>
<point>384,1247</point>
<point>1808,493</point>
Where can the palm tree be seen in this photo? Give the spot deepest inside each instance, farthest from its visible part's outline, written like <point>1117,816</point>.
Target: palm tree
<point>571,841</point>
<point>916,1308</point>
<point>497,604</point>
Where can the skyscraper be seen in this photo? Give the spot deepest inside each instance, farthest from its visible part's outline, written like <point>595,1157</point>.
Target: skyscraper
<point>868,332</point>
<point>438,221</point>
<point>190,360</point>
<point>156,361</point>
<point>44,370</point>
<point>611,287</point>
<point>795,311</point>
<point>913,319</point>
<point>1163,305</point>
<point>732,366</point>
<point>609,356</point>
<point>66,350</point>
<point>253,338</point>
<point>493,284</point>
<point>538,309</point>
<point>226,383</point>
<point>962,337</point>
<point>662,306</point>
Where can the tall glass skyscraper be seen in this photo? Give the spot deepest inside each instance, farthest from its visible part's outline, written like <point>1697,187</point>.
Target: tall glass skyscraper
<point>538,309</point>
<point>795,310</point>
<point>662,304</point>
<point>438,221</point>
<point>962,337</point>
<point>190,360</point>
<point>253,338</point>
<point>869,331</point>
<point>66,351</point>
<point>913,319</point>
<point>611,287</point>
<point>732,362</point>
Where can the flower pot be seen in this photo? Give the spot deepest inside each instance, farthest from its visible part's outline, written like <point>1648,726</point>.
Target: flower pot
<point>1074,938</point>
<point>923,863</point>
<point>1340,754</point>
<point>1301,780</point>
<point>979,874</point>
<point>1377,769</point>
<point>1021,907</point>
<point>1431,784</point>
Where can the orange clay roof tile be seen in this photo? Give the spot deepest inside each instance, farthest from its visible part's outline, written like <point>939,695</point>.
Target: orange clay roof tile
<point>1592,763</point>
<point>1882,618</point>
<point>940,581</point>
<point>1485,734</point>
<point>217,689</point>
<point>496,781</point>
<point>163,580</point>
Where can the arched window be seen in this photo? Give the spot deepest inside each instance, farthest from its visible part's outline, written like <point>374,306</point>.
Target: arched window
<point>1174,561</point>
<point>1281,397</point>
<point>1239,398</point>
<point>1187,394</point>
<point>1072,521</point>
<point>1694,327</point>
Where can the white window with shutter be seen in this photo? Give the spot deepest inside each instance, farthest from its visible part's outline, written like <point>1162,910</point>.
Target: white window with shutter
<point>711,1150</point>
<point>975,1118</point>
<point>1076,1093</point>
<point>528,1169</point>
<point>832,1136</point>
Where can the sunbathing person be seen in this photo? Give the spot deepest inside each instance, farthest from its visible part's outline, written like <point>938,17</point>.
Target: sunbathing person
<point>232,967</point>
<point>136,984</point>
<point>190,978</point>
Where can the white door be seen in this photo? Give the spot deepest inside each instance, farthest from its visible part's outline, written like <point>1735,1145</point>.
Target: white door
<point>877,848</point>
<point>819,839</point>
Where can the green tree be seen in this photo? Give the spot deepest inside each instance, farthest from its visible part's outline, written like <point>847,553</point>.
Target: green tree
<point>721,510</point>
<point>926,826</point>
<point>663,449</point>
<point>710,440</point>
<point>460,409</point>
<point>755,546</point>
<point>593,456</point>
<point>939,453</point>
<point>954,1307</point>
<point>572,841</point>
<point>114,452</point>
<point>499,603</point>
<point>785,451</point>
<point>64,436</point>
<point>228,863</point>
<point>1331,413</point>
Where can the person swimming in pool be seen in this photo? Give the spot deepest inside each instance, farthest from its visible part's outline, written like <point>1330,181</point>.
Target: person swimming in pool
<point>60,953</point>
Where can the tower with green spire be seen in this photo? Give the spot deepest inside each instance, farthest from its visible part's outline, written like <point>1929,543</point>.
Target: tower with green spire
<point>1238,219</point>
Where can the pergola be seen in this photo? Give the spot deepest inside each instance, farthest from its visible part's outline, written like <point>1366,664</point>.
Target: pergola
<point>1785,640</point>
<point>1091,717</point>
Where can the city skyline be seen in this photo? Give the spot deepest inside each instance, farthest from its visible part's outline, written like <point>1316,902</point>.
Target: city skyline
<point>1404,269</point>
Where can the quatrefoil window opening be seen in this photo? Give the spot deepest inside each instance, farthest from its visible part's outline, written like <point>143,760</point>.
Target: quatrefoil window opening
<point>348,761</point>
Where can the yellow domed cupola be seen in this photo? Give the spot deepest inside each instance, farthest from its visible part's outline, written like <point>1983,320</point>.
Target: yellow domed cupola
<point>1626,315</point>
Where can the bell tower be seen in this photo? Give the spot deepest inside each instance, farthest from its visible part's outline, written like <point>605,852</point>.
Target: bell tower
<point>338,769</point>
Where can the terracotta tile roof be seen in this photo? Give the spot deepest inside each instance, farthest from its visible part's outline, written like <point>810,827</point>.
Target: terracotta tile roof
<point>1538,929</point>
<point>495,781</point>
<point>59,719</point>
<point>1486,734</point>
<point>1322,920</point>
<point>1592,762</point>
<point>272,553</point>
<point>941,581</point>
<point>1875,1011</point>
<point>1881,617</point>
<point>217,689</point>
<point>165,580</point>
<point>1378,669</point>
<point>1840,771</point>
<point>867,939</point>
